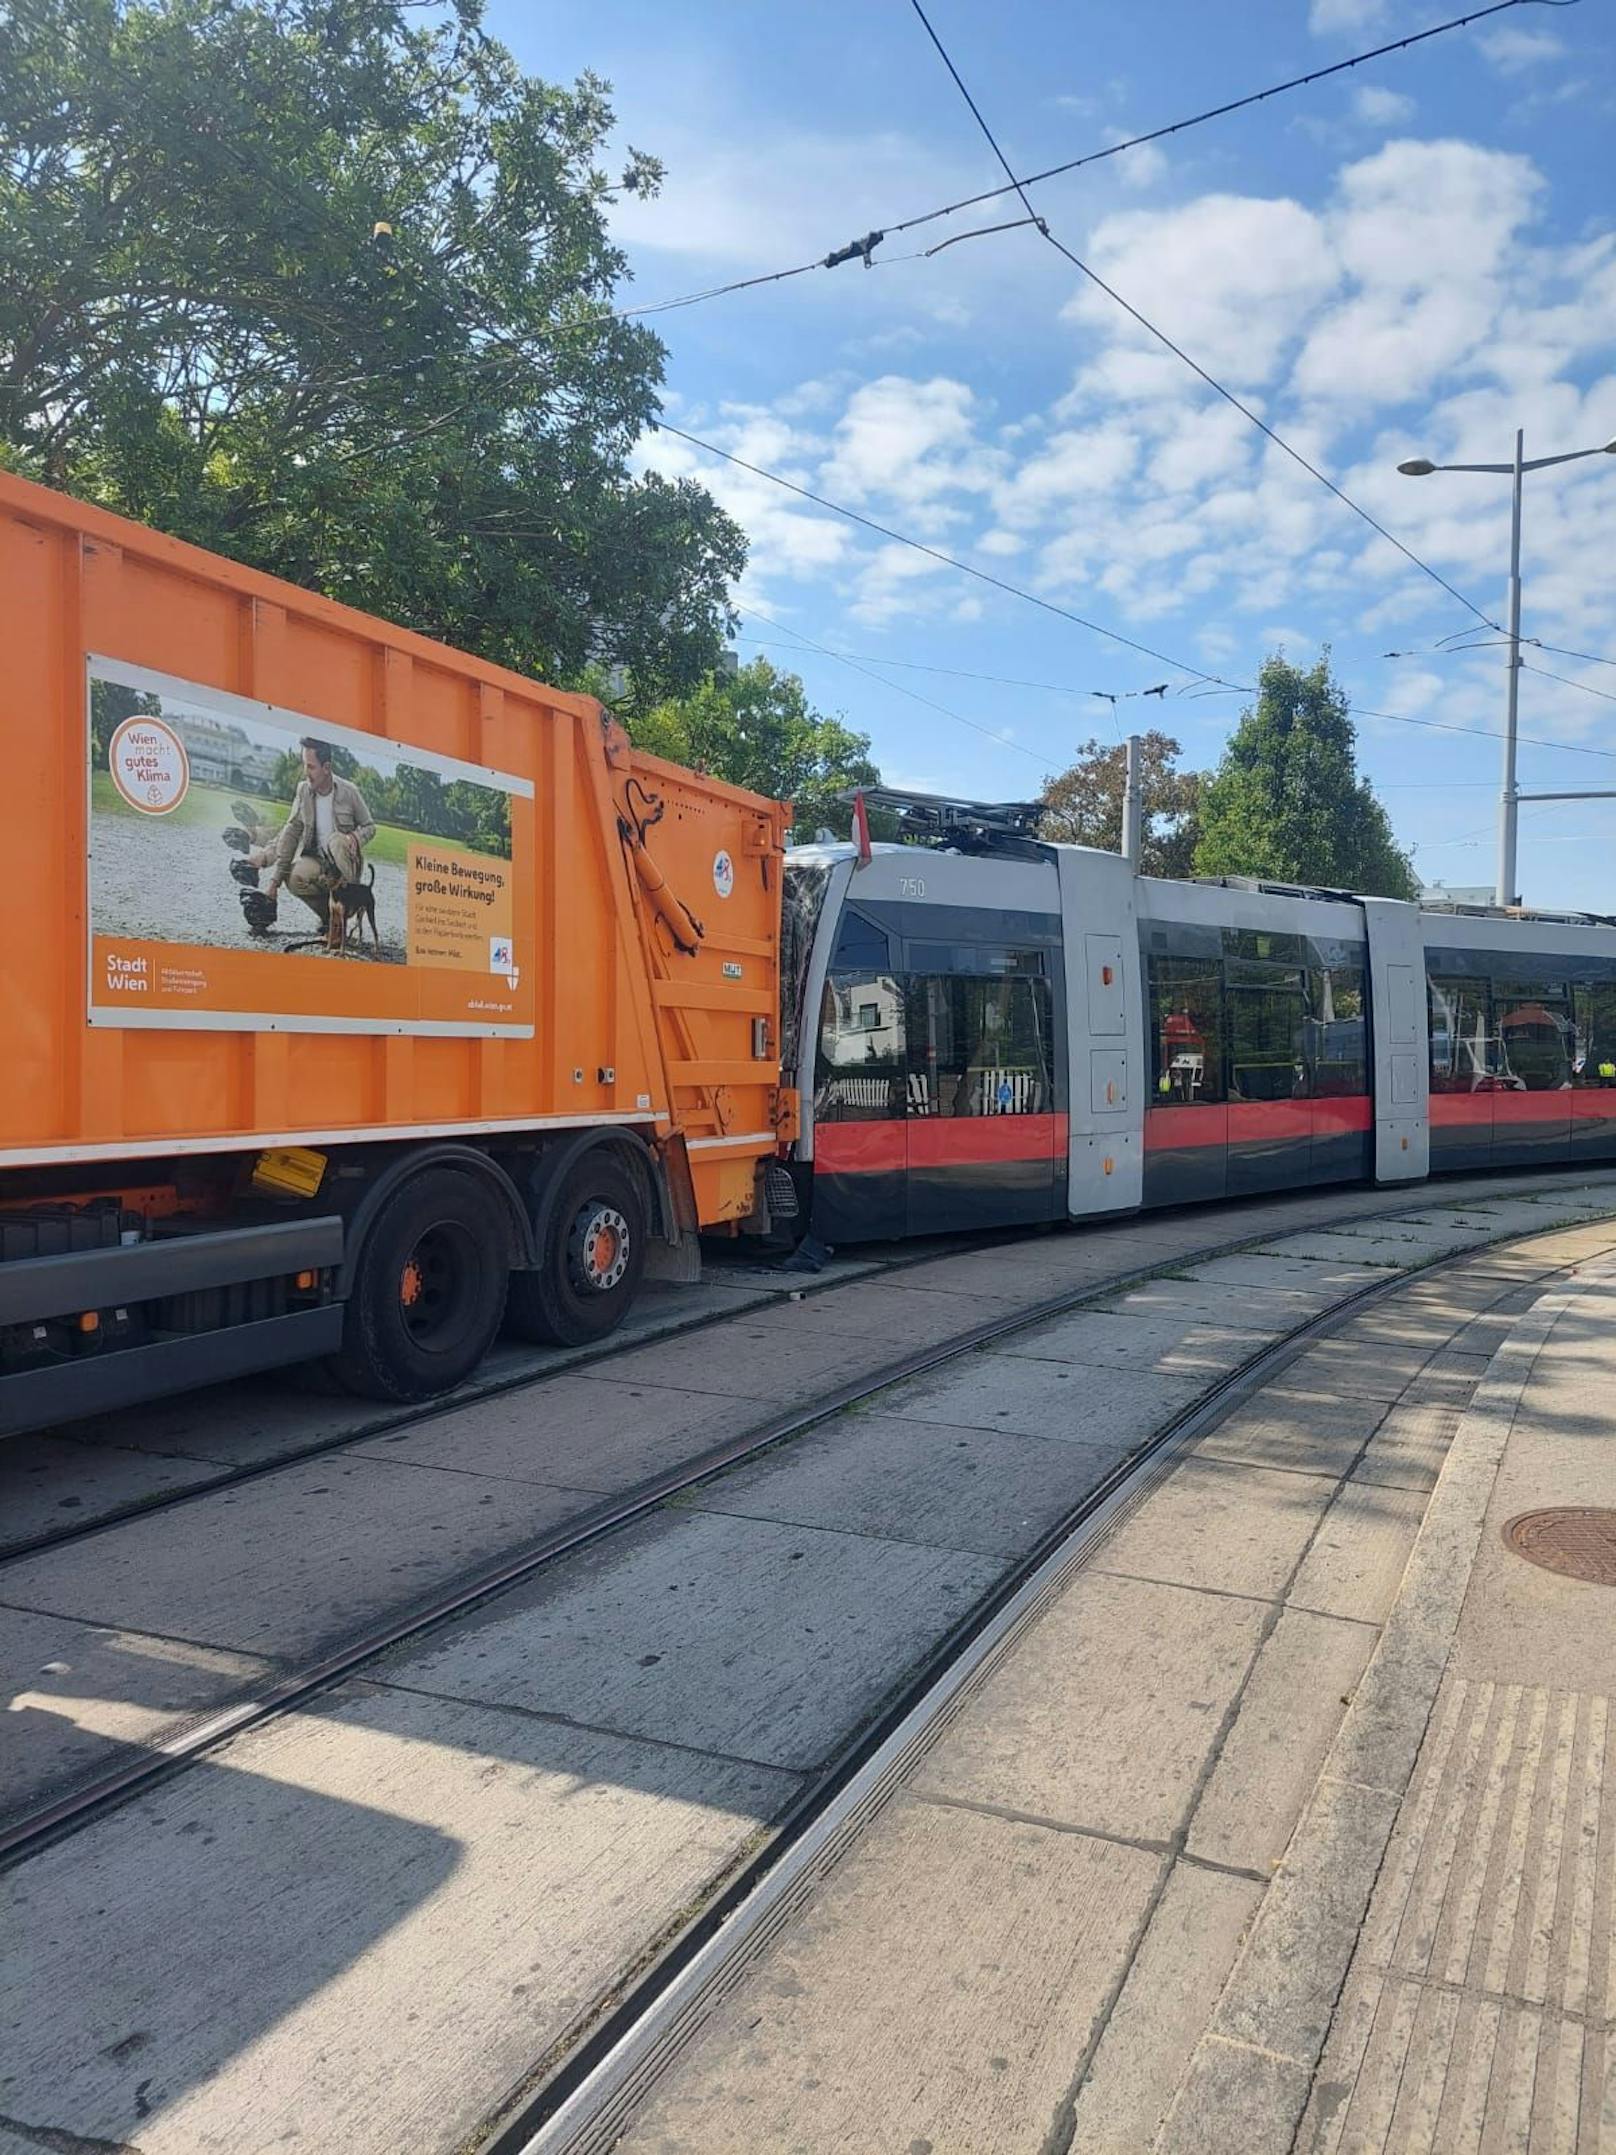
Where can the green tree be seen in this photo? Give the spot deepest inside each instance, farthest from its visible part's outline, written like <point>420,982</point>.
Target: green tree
<point>1083,806</point>
<point>1287,802</point>
<point>110,704</point>
<point>757,728</point>
<point>325,285</point>
<point>482,816</point>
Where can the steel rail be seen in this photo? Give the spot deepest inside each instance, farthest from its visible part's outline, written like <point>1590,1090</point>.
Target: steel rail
<point>166,1757</point>
<point>500,1385</point>
<point>386,1423</point>
<point>585,2104</point>
<point>196,1735</point>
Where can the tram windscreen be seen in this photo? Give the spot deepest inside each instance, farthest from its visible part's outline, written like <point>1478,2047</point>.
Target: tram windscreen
<point>802,899</point>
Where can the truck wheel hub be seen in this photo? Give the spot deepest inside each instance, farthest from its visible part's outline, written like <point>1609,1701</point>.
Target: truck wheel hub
<point>600,1247</point>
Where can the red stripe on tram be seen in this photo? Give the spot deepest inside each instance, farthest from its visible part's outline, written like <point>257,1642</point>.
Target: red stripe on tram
<point>1244,1122</point>
<point>861,1148</point>
<point>977,1141</point>
<point>873,1148</point>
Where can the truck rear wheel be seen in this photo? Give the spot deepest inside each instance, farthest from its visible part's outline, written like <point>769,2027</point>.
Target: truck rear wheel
<point>592,1259</point>
<point>429,1292</point>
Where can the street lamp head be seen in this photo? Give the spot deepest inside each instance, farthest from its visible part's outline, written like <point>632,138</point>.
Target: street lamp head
<point>1610,446</point>
<point>1417,467</point>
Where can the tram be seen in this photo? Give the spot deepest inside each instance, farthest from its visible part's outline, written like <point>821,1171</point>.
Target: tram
<point>997,1031</point>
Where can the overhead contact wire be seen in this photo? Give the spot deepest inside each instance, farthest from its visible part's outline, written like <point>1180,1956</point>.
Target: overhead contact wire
<point>1020,187</point>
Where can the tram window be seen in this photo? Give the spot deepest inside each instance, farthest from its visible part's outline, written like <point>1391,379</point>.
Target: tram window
<point>859,942</point>
<point>1465,1053</point>
<point>1186,1032</point>
<point>1593,1058</point>
<point>1533,1018</point>
<point>1336,1046</point>
<point>859,1076</point>
<point>1266,1033</point>
<point>980,1046</point>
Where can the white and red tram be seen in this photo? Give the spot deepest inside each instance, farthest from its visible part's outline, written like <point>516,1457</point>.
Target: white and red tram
<point>1015,1032</point>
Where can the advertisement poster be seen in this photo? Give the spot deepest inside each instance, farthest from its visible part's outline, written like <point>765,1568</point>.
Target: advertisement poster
<point>254,870</point>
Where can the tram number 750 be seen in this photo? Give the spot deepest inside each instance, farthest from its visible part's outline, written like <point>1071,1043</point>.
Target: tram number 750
<point>912,886</point>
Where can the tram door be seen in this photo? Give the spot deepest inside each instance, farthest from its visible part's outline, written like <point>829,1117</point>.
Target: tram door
<point>934,1099</point>
<point>985,1145</point>
<point>861,1077</point>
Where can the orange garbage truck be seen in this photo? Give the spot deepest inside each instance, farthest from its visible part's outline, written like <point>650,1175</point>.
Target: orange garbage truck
<point>359,998</point>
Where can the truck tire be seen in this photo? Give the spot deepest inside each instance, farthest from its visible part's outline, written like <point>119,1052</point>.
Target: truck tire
<point>592,1259</point>
<point>429,1292</point>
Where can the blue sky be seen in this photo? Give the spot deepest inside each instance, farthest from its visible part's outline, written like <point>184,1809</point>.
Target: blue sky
<point>1415,258</point>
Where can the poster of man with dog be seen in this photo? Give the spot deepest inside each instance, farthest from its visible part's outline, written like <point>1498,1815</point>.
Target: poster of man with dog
<point>253,869</point>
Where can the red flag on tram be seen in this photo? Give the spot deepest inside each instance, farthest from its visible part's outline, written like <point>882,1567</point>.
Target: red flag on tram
<point>861,829</point>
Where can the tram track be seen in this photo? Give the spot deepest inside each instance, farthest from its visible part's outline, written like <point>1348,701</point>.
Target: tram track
<point>501,1384</point>
<point>192,1739</point>
<point>585,2099</point>
<point>565,2073</point>
<point>490,1385</point>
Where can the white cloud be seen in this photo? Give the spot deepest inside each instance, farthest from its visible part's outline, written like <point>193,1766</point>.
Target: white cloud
<point>1073,465</point>
<point>1231,277</point>
<point>1418,210</point>
<point>913,443</point>
<point>1326,17</point>
<point>1374,106</point>
<point>1416,282</point>
<point>1512,50</point>
<point>786,540</point>
<point>885,587</point>
<point>1142,167</point>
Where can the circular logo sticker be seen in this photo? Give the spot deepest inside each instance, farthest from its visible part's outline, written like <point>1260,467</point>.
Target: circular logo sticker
<point>723,874</point>
<point>149,765</point>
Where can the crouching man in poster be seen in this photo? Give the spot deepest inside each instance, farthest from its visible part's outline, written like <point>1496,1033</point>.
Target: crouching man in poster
<point>321,845</point>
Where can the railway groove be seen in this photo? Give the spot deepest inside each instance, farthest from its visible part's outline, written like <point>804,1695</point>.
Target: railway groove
<point>677,1942</point>
<point>1352,1201</point>
<point>168,1755</point>
<point>584,2107</point>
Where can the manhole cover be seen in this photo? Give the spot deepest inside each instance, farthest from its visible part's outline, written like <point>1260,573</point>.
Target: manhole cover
<point>1579,1541</point>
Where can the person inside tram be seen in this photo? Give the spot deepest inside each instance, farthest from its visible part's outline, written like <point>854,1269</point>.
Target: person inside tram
<point>1183,1058</point>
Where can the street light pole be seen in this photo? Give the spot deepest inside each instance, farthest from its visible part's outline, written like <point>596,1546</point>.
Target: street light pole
<point>1509,800</point>
<point>1509,794</point>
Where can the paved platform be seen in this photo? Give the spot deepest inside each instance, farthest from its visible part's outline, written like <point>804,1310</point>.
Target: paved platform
<point>371,1924</point>
<point>1289,1827</point>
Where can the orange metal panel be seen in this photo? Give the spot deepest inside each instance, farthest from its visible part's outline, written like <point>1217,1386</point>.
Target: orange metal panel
<point>625,1024</point>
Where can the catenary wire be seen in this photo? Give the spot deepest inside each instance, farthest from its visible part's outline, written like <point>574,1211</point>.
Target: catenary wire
<point>1243,688</point>
<point>1590,658</point>
<point>1213,112</point>
<point>863,250</point>
<point>1000,740</point>
<point>1566,681</point>
<point>951,561</point>
<point>1178,351</point>
<point>864,662</point>
<point>962,673</point>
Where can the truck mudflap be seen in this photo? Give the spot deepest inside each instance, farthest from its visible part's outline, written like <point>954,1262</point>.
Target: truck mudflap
<point>40,1292</point>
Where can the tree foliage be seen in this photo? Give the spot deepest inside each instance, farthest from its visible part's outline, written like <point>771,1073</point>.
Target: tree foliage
<point>757,728</point>
<point>414,799</point>
<point>1083,806</point>
<point>320,284</point>
<point>1287,802</point>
